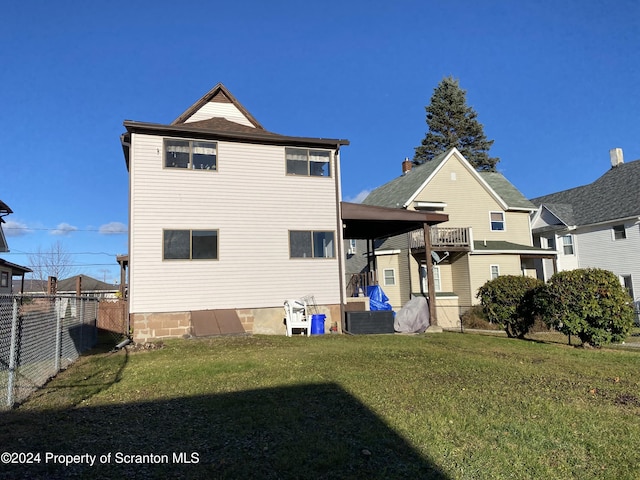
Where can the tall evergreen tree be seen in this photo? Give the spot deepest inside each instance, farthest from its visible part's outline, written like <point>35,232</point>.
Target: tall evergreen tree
<point>453,124</point>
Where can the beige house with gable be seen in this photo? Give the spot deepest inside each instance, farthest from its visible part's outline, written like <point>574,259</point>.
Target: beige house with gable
<point>487,234</point>
<point>227,221</point>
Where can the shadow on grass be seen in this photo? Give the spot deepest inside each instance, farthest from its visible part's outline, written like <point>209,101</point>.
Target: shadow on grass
<point>308,431</point>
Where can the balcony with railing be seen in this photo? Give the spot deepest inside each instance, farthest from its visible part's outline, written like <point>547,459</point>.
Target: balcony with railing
<point>448,238</point>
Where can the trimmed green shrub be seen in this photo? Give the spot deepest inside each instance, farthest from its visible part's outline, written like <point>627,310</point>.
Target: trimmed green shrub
<point>509,301</point>
<point>588,303</point>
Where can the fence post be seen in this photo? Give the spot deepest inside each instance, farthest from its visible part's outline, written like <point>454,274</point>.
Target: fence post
<point>12,353</point>
<point>58,333</point>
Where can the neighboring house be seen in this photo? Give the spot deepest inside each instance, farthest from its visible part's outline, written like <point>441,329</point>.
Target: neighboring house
<point>595,225</point>
<point>88,286</point>
<point>8,270</point>
<point>227,221</point>
<point>487,234</point>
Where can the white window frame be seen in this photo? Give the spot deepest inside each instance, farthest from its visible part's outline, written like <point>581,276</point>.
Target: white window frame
<point>566,246</point>
<point>628,287</point>
<point>497,274</point>
<point>492,221</point>
<point>353,246</point>
<point>437,279</point>
<point>392,279</point>
<point>620,233</point>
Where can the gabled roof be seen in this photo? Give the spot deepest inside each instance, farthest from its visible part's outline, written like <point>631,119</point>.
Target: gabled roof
<point>202,123</point>
<point>89,284</point>
<point>400,191</point>
<point>218,94</point>
<point>613,196</point>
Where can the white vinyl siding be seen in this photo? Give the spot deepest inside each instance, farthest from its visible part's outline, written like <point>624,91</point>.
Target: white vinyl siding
<point>220,109</point>
<point>253,205</point>
<point>596,248</point>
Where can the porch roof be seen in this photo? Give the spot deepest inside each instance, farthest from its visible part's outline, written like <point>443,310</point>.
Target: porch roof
<point>370,222</point>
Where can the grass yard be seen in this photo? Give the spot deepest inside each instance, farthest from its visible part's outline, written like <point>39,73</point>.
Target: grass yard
<point>441,406</point>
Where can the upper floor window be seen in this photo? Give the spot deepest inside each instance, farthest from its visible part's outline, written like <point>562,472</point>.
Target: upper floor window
<point>619,232</point>
<point>551,243</point>
<point>190,154</point>
<point>190,245</point>
<point>303,161</point>
<point>497,221</point>
<point>311,244</point>
<point>567,244</point>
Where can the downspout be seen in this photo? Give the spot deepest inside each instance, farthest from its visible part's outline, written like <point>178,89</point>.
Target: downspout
<point>340,233</point>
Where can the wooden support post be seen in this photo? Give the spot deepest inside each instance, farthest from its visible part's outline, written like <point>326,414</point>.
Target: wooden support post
<point>433,318</point>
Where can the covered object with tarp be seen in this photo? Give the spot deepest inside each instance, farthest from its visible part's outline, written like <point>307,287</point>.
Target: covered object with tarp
<point>413,317</point>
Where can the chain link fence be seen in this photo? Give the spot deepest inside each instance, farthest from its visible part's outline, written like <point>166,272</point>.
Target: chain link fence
<point>39,336</point>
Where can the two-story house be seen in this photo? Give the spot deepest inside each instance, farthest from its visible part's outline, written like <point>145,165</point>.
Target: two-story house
<point>8,270</point>
<point>487,234</point>
<point>227,221</point>
<point>595,225</point>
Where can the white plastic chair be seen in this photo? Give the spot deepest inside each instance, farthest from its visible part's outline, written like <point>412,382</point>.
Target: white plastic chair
<point>296,316</point>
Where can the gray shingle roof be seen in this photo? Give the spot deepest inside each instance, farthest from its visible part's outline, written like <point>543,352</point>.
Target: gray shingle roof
<point>398,191</point>
<point>614,195</point>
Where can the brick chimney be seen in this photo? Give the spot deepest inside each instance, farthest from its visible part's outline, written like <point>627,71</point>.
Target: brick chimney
<point>616,157</point>
<point>406,166</point>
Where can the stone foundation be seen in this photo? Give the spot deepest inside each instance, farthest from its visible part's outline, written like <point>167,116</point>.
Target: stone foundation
<point>148,327</point>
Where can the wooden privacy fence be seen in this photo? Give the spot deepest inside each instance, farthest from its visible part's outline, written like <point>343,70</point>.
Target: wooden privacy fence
<point>113,316</point>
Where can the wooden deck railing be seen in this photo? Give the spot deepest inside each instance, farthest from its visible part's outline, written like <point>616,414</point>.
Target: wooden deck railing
<point>443,237</point>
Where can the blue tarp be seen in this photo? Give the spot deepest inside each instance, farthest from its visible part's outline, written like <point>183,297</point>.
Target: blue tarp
<point>377,299</point>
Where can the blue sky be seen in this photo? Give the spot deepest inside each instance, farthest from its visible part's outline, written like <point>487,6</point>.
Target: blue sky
<point>555,84</point>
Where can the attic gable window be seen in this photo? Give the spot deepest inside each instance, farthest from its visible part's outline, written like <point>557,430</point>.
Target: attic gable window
<point>306,162</point>
<point>190,154</point>
<point>497,221</point>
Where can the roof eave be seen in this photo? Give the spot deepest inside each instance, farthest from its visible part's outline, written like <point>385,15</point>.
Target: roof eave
<point>260,136</point>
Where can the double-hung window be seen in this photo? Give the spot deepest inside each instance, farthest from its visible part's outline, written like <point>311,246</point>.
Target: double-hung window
<point>567,244</point>
<point>497,221</point>
<point>190,154</point>
<point>311,244</point>
<point>495,271</point>
<point>190,245</point>
<point>389,276</point>
<point>307,162</point>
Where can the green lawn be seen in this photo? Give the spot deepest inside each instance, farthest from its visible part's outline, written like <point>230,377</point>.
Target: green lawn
<point>443,406</point>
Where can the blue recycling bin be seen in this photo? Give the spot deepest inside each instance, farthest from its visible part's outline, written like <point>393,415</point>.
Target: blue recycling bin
<point>317,324</point>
